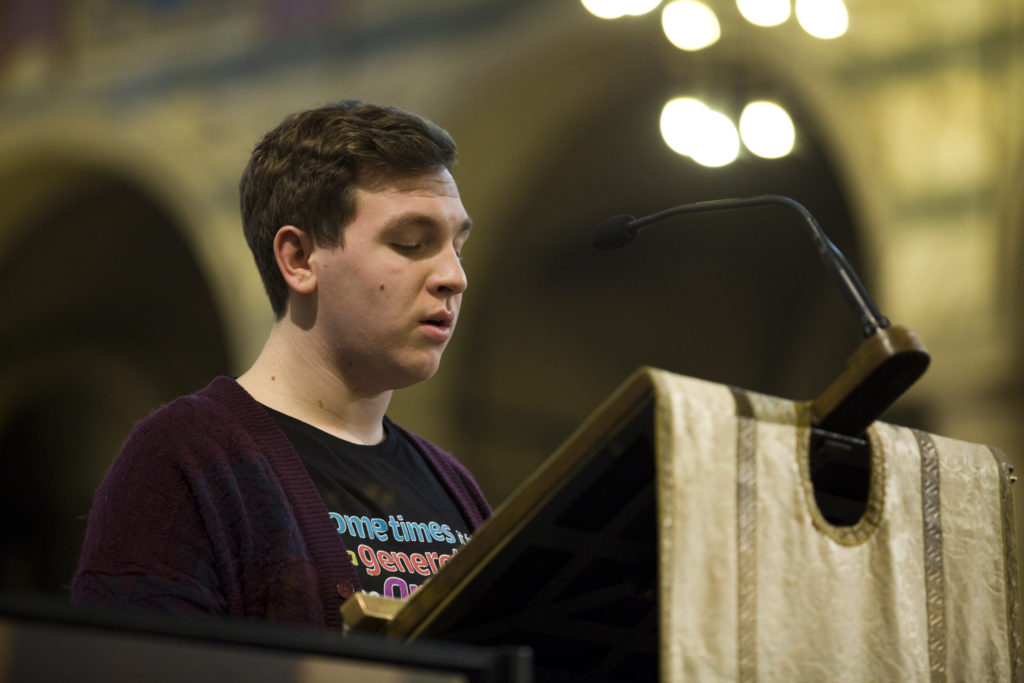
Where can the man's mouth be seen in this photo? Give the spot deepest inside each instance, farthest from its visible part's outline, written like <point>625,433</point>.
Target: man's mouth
<point>444,320</point>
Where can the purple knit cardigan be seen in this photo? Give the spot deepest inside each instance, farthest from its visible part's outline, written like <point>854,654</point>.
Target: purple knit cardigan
<point>209,510</point>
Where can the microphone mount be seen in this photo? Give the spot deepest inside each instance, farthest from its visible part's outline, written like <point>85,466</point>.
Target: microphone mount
<point>620,230</point>
<point>887,362</point>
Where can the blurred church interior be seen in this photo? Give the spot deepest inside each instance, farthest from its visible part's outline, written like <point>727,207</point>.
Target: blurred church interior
<point>125,124</point>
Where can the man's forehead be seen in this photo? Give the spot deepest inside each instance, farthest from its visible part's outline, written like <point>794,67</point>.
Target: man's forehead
<point>386,194</point>
<point>439,181</point>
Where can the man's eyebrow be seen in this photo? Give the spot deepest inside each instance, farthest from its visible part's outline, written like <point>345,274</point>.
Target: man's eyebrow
<point>423,219</point>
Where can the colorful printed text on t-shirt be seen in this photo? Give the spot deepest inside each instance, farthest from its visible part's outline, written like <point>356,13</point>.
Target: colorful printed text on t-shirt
<point>394,556</point>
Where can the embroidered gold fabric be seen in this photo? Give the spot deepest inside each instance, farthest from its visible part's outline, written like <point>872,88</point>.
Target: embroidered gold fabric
<point>757,586</point>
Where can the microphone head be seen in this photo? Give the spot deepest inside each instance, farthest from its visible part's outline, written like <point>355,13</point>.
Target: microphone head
<point>614,232</point>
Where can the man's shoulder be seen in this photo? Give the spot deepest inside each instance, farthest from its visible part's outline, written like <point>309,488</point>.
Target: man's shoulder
<point>205,404</point>
<point>220,411</point>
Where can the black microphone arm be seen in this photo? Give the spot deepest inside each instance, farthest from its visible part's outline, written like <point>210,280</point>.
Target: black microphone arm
<point>886,363</point>
<point>620,230</point>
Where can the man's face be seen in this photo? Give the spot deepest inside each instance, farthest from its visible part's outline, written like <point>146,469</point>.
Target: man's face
<point>388,297</point>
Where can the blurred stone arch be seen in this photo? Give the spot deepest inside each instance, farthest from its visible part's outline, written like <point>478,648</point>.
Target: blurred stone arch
<point>109,311</point>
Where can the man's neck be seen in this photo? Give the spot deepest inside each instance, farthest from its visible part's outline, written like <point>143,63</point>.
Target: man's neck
<point>292,378</point>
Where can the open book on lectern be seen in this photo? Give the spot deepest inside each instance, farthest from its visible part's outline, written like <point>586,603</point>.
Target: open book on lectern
<point>678,534</point>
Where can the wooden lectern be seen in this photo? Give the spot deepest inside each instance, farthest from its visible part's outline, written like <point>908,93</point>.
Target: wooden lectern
<point>678,535</point>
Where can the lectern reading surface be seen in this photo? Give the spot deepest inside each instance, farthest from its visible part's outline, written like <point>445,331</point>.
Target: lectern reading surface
<point>569,565</point>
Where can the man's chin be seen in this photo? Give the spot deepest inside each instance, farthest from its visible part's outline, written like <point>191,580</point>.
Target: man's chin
<point>411,376</point>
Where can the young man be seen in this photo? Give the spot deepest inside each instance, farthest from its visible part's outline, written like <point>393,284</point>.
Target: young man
<point>279,494</point>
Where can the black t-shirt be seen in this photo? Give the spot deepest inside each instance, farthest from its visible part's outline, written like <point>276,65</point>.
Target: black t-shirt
<point>399,524</point>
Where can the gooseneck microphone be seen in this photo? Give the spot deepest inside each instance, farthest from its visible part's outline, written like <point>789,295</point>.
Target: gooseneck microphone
<point>618,231</point>
<point>886,363</point>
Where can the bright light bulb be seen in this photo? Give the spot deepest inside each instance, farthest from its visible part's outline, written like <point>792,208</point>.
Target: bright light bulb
<point>767,130</point>
<point>690,25</point>
<point>764,12</point>
<point>613,9</point>
<point>605,9</point>
<point>719,144</point>
<point>682,123</point>
<point>823,19</point>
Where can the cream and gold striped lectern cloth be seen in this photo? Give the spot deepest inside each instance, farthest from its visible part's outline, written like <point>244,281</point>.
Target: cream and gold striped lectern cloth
<point>757,586</point>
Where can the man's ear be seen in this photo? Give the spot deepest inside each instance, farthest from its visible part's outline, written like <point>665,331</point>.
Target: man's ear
<point>292,249</point>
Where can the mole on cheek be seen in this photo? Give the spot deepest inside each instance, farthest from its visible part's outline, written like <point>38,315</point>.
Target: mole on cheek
<point>382,288</point>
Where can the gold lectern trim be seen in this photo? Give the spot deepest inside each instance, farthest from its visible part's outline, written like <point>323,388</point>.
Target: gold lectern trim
<point>931,518</point>
<point>746,536</point>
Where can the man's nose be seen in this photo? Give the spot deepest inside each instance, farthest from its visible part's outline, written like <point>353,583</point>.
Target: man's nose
<point>449,277</point>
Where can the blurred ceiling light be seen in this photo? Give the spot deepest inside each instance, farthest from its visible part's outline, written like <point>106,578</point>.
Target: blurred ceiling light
<point>767,130</point>
<point>613,9</point>
<point>682,121</point>
<point>691,129</point>
<point>764,12</point>
<point>823,19</point>
<point>690,25</point>
<point>720,143</point>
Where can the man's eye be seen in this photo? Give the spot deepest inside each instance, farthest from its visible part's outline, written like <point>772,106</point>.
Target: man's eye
<point>405,247</point>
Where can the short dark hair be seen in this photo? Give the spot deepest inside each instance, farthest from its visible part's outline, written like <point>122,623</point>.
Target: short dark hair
<point>304,173</point>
